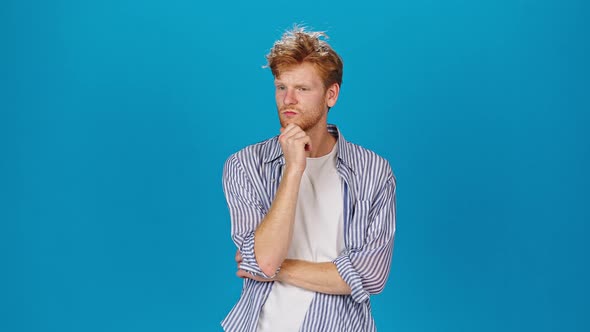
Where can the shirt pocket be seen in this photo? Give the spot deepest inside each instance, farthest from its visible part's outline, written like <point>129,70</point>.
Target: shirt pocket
<point>359,223</point>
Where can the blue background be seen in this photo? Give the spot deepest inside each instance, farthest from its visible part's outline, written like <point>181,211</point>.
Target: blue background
<point>116,118</point>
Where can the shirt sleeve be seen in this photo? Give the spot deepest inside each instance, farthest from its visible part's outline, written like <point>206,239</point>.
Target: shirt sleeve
<point>366,268</point>
<point>246,213</point>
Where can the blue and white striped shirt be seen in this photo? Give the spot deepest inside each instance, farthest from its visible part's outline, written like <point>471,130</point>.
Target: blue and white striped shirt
<point>250,181</point>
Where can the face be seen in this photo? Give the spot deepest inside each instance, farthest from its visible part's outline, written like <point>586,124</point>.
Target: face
<point>302,98</point>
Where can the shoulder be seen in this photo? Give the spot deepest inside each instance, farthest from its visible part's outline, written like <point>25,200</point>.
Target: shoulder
<point>366,162</point>
<point>254,155</point>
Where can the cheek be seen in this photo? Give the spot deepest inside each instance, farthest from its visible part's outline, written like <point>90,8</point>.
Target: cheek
<point>320,101</point>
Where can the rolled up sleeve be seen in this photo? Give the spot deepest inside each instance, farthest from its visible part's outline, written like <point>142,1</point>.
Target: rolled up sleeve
<point>246,213</point>
<point>365,267</point>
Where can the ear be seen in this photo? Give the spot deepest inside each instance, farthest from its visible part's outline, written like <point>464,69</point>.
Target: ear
<point>332,94</point>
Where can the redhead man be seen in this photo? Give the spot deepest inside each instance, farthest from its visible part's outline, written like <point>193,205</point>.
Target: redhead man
<point>312,215</point>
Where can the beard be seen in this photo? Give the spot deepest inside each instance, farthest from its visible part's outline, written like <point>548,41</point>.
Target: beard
<point>304,119</point>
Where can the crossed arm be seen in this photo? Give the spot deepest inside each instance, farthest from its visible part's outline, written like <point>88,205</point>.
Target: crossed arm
<point>361,270</point>
<point>318,277</point>
<point>264,236</point>
<point>266,249</point>
<point>272,240</point>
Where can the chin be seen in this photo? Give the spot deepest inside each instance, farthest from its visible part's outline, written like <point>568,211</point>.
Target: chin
<point>286,122</point>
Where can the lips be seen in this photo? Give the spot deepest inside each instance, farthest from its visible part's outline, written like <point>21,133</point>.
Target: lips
<point>289,112</point>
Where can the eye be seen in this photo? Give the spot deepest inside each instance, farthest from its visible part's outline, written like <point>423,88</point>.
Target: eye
<point>280,87</point>
<point>302,88</point>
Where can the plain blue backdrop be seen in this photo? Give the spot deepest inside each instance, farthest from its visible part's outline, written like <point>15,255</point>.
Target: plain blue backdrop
<point>116,118</point>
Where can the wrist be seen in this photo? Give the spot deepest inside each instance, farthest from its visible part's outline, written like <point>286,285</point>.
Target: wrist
<point>293,171</point>
<point>283,271</point>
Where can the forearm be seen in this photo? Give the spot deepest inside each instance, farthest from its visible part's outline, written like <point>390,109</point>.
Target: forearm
<point>273,236</point>
<point>318,277</point>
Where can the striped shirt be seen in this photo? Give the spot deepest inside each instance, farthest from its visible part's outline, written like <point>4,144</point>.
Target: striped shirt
<point>250,181</point>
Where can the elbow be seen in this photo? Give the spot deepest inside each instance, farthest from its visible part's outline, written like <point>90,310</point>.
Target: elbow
<point>376,289</point>
<point>268,266</point>
<point>268,261</point>
<point>375,285</point>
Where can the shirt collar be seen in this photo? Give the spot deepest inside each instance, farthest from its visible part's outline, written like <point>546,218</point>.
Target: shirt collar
<point>344,154</point>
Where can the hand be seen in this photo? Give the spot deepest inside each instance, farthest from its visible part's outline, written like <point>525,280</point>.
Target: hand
<point>244,274</point>
<point>238,257</point>
<point>295,144</point>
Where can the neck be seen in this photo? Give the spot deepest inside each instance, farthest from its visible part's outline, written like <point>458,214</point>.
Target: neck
<point>321,141</point>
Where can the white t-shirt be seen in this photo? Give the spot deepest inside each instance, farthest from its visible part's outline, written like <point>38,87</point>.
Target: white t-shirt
<point>318,236</point>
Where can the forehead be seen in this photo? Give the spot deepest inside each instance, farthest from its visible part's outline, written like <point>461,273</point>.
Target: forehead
<point>299,73</point>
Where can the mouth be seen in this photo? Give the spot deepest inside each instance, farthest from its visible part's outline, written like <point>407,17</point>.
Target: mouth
<point>289,113</point>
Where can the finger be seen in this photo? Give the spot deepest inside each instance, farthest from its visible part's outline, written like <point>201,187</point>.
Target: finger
<point>293,135</point>
<point>290,127</point>
<point>285,131</point>
<point>241,274</point>
<point>287,136</point>
<point>238,257</point>
<point>303,141</point>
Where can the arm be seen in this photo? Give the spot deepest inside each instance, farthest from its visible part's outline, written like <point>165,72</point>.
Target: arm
<point>366,268</point>
<point>263,239</point>
<point>359,272</point>
<point>318,277</point>
<point>273,236</point>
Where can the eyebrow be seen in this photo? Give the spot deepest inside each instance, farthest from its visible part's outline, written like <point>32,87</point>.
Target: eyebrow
<point>300,85</point>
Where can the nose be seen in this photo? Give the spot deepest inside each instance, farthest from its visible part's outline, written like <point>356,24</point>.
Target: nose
<point>289,98</point>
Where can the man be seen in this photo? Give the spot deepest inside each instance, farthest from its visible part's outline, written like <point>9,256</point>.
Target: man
<point>312,215</point>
